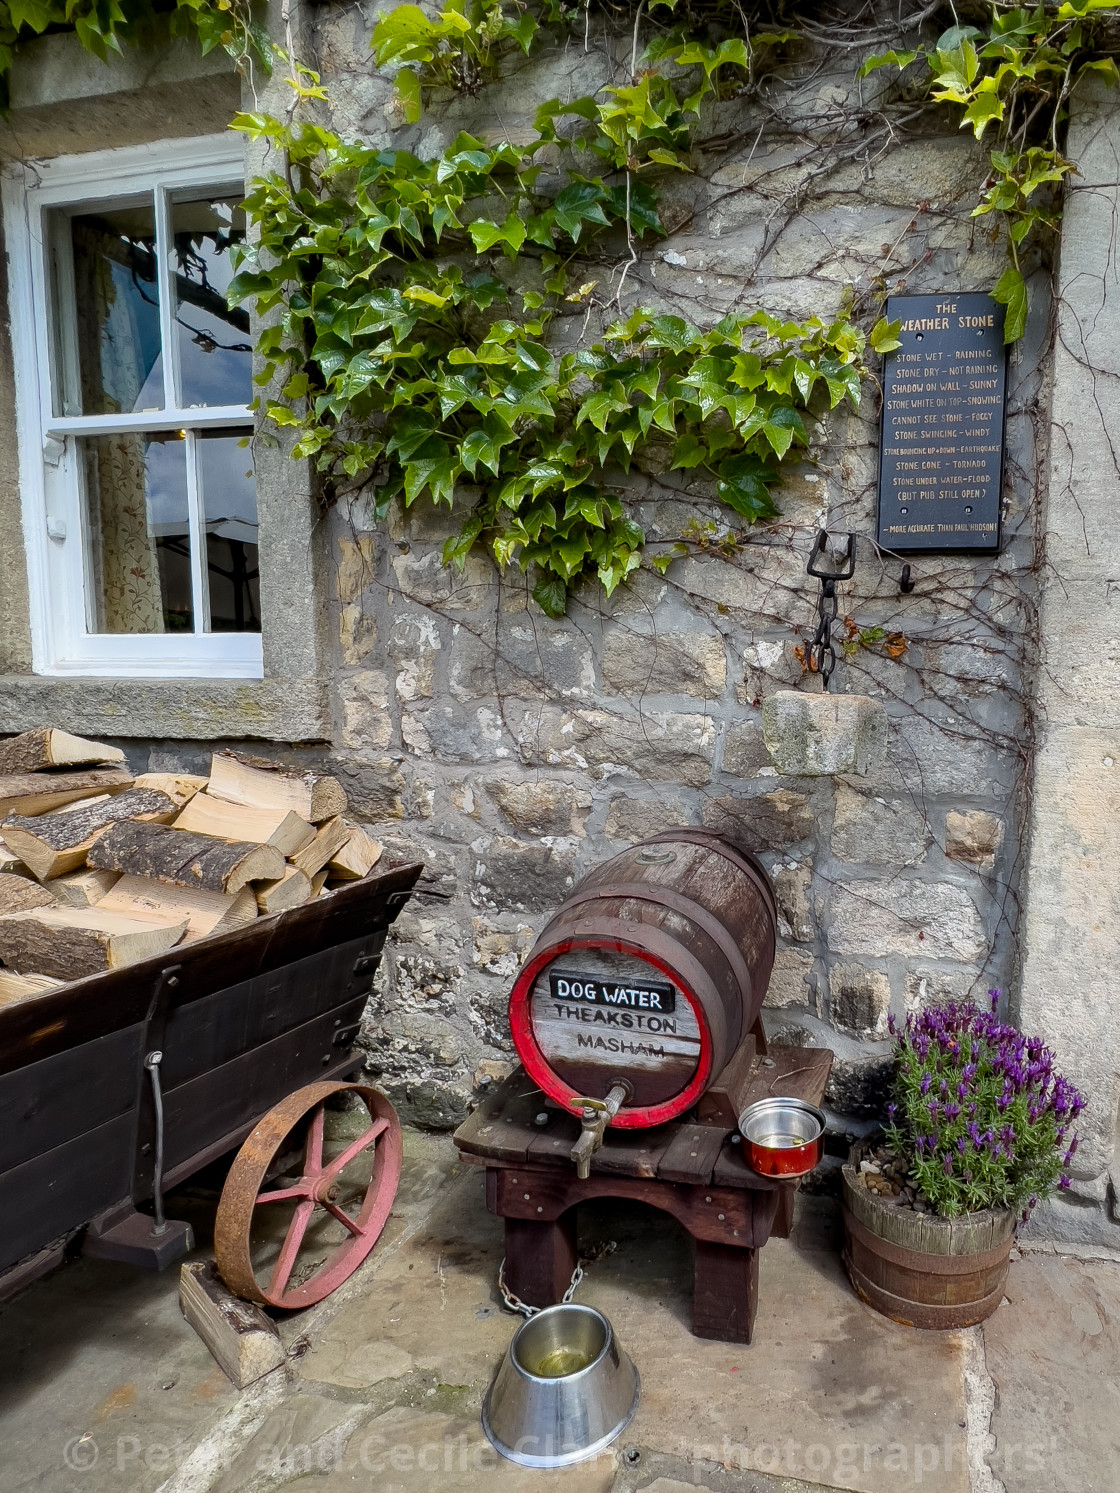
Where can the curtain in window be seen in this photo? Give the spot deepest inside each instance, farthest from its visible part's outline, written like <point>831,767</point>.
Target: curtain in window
<point>113,361</point>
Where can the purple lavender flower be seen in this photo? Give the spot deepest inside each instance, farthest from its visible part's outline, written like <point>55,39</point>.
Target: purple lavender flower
<point>925,1083</point>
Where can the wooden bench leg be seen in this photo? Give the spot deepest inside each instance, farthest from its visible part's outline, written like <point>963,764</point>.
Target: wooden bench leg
<point>540,1258</point>
<point>724,1292</point>
<point>782,1227</point>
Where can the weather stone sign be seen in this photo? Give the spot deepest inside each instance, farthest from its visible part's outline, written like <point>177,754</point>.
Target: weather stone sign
<point>941,461</point>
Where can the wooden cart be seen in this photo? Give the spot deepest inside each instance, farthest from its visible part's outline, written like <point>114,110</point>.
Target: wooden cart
<point>184,1054</point>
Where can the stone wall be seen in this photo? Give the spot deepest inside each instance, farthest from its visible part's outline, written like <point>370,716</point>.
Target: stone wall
<point>514,752</point>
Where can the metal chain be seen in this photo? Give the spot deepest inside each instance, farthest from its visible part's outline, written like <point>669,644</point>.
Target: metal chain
<point>515,1304</point>
<point>822,654</point>
<point>828,569</point>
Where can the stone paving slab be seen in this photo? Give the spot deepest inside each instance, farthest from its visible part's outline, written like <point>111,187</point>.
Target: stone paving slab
<point>829,1392</point>
<point>1053,1350</point>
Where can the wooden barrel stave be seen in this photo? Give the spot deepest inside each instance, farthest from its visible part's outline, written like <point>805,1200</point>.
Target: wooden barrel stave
<point>687,913</point>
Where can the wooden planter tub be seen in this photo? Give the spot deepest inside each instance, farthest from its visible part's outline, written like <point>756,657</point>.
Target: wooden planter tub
<point>918,1269</point>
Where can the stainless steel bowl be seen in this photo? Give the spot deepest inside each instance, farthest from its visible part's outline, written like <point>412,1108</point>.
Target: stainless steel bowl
<point>782,1137</point>
<point>563,1392</point>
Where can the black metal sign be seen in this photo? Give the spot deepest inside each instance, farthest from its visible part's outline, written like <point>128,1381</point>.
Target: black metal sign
<point>595,990</point>
<point>941,460</point>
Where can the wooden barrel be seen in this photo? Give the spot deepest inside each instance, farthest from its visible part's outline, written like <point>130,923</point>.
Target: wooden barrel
<point>922,1270</point>
<point>652,971</point>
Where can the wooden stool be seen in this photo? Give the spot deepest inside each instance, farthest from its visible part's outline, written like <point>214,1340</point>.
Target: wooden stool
<point>690,1168</point>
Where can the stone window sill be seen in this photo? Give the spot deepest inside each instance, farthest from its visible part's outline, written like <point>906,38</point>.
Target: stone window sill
<point>287,710</point>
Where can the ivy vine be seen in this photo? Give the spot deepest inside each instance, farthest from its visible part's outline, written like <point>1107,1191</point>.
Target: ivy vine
<point>1014,75</point>
<point>403,361</point>
<point>104,27</point>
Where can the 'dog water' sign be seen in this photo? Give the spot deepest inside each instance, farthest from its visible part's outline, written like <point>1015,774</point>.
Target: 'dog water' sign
<point>941,459</point>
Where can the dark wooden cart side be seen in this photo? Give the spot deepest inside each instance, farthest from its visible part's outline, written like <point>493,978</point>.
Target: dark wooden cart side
<point>241,1020</point>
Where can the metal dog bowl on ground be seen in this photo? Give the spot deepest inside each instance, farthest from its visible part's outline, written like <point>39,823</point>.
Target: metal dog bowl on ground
<point>782,1137</point>
<point>564,1390</point>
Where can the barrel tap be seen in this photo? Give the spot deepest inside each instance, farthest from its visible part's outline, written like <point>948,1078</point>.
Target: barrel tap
<point>595,1115</point>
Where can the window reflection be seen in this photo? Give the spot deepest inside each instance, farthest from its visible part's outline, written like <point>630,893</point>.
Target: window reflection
<point>215,352</point>
<point>120,367</point>
<point>138,532</point>
<point>229,516</point>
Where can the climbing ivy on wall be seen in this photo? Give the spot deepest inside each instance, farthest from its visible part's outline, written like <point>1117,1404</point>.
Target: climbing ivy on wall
<point>105,26</point>
<point>423,307</point>
<point>426,323</point>
<point>1011,79</point>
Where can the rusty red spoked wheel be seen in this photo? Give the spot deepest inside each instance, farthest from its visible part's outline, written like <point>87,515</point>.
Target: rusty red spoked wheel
<point>291,1229</point>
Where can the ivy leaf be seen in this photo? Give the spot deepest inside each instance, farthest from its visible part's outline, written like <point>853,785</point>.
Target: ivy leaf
<point>985,108</point>
<point>551,595</point>
<point>688,453</point>
<point>408,95</point>
<point>742,488</point>
<point>883,337</point>
<point>578,204</point>
<point>1011,291</point>
<point>782,424</point>
<point>885,59</point>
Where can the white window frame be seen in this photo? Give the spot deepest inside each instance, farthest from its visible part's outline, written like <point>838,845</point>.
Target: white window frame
<point>53,522</point>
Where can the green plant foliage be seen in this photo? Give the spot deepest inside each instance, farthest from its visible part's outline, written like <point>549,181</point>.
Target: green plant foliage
<point>1014,77</point>
<point>414,302</point>
<point>104,26</point>
<point>455,50</point>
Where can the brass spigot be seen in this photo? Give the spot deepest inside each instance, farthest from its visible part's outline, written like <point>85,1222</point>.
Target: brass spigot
<point>595,1115</point>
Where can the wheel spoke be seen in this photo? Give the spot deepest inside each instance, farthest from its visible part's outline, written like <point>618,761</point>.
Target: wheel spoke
<point>313,1151</point>
<point>284,1195</point>
<point>344,1218</point>
<point>355,1147</point>
<point>292,1241</point>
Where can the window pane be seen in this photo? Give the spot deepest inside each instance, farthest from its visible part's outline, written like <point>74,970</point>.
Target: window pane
<point>138,533</point>
<point>114,303</point>
<point>215,352</point>
<point>229,516</point>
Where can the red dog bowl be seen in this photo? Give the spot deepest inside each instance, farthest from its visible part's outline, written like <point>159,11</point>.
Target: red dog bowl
<point>782,1137</point>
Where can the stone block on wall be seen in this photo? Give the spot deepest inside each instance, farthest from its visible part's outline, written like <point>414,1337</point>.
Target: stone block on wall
<point>766,822</point>
<point>637,819</point>
<point>916,918</point>
<point>789,981</point>
<point>546,807</point>
<point>791,891</point>
<point>860,999</point>
<point>973,837</point>
<point>684,663</point>
<point>810,735</point>
<point>509,873</point>
<point>867,829</point>
<point>663,746</point>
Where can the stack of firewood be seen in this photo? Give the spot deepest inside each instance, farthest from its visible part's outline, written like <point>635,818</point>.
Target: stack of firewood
<point>99,868</point>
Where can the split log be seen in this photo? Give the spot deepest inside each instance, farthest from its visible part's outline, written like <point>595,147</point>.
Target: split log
<point>242,1339</point>
<point>179,786</point>
<point>329,840</point>
<point>39,793</point>
<point>84,888</point>
<point>228,821</point>
<point>205,912</point>
<point>319,880</point>
<point>359,855</point>
<point>53,844</point>
<point>266,785</point>
<point>15,987</point>
<point>48,747</point>
<point>72,942</point>
<point>18,893</point>
<point>292,890</point>
<point>174,856</point>
<point>10,863</point>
